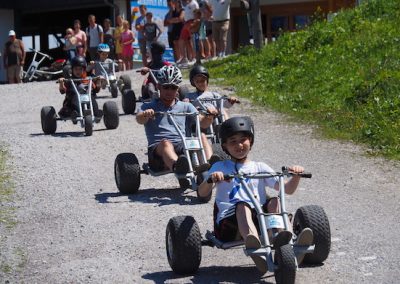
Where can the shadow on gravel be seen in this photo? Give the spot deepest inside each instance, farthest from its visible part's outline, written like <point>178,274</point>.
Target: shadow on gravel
<point>161,197</point>
<point>61,134</point>
<point>213,274</point>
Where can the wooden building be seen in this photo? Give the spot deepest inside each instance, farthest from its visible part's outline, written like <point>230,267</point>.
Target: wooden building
<point>280,15</point>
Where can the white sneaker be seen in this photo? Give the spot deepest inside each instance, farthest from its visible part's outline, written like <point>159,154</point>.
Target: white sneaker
<point>184,61</point>
<point>179,60</point>
<point>252,242</point>
<point>192,62</point>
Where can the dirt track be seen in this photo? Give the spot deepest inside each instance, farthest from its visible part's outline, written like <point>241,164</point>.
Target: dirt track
<point>74,227</point>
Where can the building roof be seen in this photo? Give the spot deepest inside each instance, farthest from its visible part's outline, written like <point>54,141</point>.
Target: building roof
<point>51,5</point>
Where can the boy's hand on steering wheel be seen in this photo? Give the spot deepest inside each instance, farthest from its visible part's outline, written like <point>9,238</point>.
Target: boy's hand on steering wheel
<point>233,100</point>
<point>148,113</point>
<point>217,177</point>
<point>212,110</point>
<point>296,169</point>
<point>144,70</point>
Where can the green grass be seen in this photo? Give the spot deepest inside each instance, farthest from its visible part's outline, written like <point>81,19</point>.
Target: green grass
<point>6,194</point>
<point>342,75</point>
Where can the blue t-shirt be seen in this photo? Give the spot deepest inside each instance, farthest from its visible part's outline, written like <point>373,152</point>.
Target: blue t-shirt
<point>161,127</point>
<point>141,21</point>
<point>229,193</point>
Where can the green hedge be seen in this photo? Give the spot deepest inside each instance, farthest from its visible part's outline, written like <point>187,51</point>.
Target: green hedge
<point>343,75</point>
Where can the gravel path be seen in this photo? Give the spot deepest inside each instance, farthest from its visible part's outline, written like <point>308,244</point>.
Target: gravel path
<point>74,227</point>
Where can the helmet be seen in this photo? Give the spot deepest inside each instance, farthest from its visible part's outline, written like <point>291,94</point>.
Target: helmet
<point>198,70</point>
<point>78,61</point>
<point>234,125</point>
<point>103,47</point>
<point>169,75</point>
<point>157,47</point>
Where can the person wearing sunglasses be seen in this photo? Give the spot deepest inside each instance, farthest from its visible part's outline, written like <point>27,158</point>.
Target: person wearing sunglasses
<point>165,146</point>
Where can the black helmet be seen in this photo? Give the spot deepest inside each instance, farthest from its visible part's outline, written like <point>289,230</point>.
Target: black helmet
<point>78,61</point>
<point>234,125</point>
<point>157,47</point>
<point>196,70</point>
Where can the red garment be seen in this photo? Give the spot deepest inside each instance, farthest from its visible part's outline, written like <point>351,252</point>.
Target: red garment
<point>127,50</point>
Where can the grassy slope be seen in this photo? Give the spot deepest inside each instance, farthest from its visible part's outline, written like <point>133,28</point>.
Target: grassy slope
<point>343,75</point>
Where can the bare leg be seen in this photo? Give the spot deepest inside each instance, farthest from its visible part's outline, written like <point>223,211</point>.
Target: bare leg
<point>245,221</point>
<point>206,145</point>
<point>167,152</point>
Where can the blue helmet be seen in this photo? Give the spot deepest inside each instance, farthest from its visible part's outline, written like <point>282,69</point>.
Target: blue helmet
<point>103,47</point>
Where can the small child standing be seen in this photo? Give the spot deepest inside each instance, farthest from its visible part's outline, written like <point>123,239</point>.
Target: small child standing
<point>234,214</point>
<point>71,43</point>
<point>151,31</point>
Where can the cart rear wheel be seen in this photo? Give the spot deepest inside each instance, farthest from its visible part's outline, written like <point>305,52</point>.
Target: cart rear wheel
<point>128,101</point>
<point>111,115</point>
<point>125,83</point>
<point>285,260</point>
<point>127,173</point>
<point>114,89</point>
<point>183,244</point>
<point>48,119</point>
<point>315,218</point>
<point>88,125</point>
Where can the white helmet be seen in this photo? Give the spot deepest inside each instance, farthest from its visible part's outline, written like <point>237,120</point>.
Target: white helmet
<point>169,75</point>
<point>103,47</point>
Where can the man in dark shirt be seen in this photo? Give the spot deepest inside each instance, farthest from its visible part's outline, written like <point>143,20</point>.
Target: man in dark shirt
<point>14,58</point>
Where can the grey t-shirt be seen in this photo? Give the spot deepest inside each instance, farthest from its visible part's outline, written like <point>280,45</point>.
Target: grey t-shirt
<point>161,127</point>
<point>94,35</point>
<point>195,98</point>
<point>107,67</point>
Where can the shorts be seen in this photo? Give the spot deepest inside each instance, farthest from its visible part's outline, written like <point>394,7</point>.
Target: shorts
<point>142,46</point>
<point>227,230</point>
<point>185,33</point>
<point>171,40</point>
<point>14,72</point>
<point>155,161</point>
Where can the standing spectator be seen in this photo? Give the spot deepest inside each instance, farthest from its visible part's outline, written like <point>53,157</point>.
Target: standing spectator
<point>195,31</point>
<point>109,37</point>
<point>139,26</point>
<point>13,58</point>
<point>186,45</point>
<point>176,21</point>
<point>150,31</point>
<point>117,37</point>
<point>220,25</point>
<point>70,44</point>
<point>127,39</point>
<point>95,34</point>
<point>168,16</point>
<point>208,42</point>
<point>81,39</point>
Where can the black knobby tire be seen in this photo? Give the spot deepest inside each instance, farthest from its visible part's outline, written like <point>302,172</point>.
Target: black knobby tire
<point>315,218</point>
<point>285,273</point>
<point>114,89</point>
<point>111,115</point>
<point>128,101</point>
<point>217,150</point>
<point>183,91</point>
<point>183,244</point>
<point>199,179</point>
<point>67,71</point>
<point>127,173</point>
<point>48,120</point>
<point>88,121</point>
<point>126,83</point>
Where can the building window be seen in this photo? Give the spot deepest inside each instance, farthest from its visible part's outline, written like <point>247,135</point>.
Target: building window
<point>279,24</point>
<point>32,41</point>
<point>301,21</point>
<point>53,42</point>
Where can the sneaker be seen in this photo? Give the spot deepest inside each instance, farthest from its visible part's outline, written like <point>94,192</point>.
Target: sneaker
<point>184,61</point>
<point>214,158</point>
<point>305,238</point>
<point>202,168</point>
<point>74,115</point>
<point>282,239</point>
<point>181,166</point>
<point>252,242</point>
<point>98,116</point>
<point>192,62</point>
<point>179,60</point>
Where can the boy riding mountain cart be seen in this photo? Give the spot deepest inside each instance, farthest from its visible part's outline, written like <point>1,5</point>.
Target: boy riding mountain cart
<point>199,78</point>
<point>234,215</point>
<point>70,106</point>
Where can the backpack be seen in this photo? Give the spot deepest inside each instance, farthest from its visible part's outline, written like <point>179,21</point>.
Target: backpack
<point>88,33</point>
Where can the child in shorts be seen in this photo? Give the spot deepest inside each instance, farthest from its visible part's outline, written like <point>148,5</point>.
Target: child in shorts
<point>234,215</point>
<point>104,66</point>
